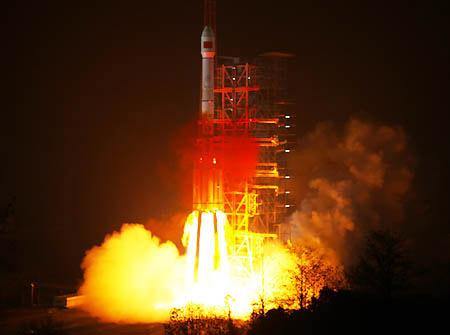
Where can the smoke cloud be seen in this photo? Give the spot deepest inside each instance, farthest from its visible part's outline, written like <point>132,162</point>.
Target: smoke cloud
<point>349,180</point>
<point>132,277</point>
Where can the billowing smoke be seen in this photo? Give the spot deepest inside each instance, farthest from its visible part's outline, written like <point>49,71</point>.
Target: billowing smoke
<point>349,181</point>
<point>132,277</point>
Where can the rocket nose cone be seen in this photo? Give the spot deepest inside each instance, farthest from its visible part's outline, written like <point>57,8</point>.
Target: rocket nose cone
<point>208,43</point>
<point>207,32</point>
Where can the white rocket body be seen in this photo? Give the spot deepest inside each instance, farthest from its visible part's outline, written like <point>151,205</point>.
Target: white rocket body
<point>208,179</point>
<point>208,50</point>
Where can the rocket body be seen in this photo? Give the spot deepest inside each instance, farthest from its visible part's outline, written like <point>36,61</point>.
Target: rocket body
<point>208,176</point>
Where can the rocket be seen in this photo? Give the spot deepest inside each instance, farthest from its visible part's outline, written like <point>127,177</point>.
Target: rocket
<point>208,175</point>
<point>208,196</point>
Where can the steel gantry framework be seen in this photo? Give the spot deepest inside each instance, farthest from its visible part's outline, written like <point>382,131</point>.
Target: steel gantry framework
<point>250,101</point>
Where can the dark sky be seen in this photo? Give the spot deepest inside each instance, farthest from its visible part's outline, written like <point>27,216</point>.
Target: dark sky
<point>94,92</point>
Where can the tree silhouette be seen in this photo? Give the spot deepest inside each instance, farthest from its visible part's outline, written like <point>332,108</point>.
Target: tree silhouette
<point>382,268</point>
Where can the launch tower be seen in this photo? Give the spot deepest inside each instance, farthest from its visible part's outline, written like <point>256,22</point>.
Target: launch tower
<point>245,98</point>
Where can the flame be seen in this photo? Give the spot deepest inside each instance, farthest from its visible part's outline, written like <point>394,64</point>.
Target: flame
<point>133,277</point>
<point>207,272</point>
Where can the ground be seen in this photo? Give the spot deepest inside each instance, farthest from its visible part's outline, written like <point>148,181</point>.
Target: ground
<point>73,322</point>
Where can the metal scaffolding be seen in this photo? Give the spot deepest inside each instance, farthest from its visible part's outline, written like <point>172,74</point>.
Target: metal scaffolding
<point>251,100</point>
<point>274,104</point>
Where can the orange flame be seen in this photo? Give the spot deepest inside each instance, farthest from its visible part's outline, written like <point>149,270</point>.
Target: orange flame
<point>132,277</point>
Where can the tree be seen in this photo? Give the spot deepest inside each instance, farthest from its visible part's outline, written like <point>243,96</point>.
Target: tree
<point>382,268</point>
<point>313,273</point>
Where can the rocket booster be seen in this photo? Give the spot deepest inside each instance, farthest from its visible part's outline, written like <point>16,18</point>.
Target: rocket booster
<point>208,50</point>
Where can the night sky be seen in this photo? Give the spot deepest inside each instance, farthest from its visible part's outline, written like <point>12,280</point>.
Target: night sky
<point>94,93</point>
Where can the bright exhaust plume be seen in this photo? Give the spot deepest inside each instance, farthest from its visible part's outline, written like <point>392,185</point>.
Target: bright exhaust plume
<point>133,277</point>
